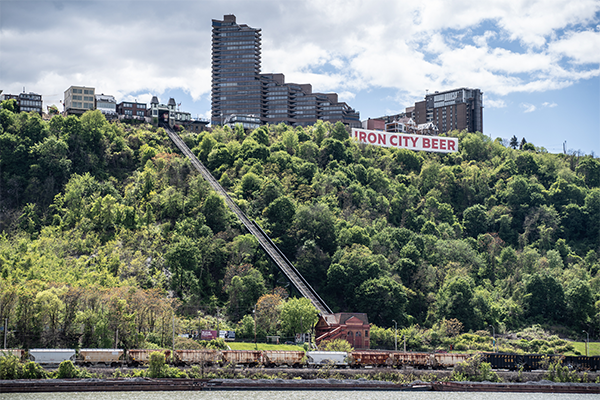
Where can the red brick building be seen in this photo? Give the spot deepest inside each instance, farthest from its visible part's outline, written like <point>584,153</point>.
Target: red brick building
<point>353,327</point>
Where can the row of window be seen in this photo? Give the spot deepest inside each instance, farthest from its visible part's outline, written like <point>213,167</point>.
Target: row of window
<point>133,105</point>
<point>230,51</point>
<point>237,47</point>
<point>87,106</point>
<point>30,103</point>
<point>239,43</point>
<point>242,33</point>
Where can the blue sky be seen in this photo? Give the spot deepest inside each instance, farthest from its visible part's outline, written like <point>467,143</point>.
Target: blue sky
<point>537,62</point>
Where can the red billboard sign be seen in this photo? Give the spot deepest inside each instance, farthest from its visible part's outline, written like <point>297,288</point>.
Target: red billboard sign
<point>208,335</point>
<point>406,141</point>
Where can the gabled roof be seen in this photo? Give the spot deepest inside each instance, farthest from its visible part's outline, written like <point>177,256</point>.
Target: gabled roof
<point>343,318</point>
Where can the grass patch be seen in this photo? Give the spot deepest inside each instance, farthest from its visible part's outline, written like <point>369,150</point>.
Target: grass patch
<point>263,346</point>
<point>594,348</point>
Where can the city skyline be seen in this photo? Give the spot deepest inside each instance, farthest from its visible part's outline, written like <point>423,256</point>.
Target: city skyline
<point>536,62</point>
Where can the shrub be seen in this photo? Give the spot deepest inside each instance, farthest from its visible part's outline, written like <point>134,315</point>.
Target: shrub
<point>67,370</point>
<point>10,367</point>
<point>335,345</point>
<point>32,370</point>
<point>157,363</point>
<point>474,369</point>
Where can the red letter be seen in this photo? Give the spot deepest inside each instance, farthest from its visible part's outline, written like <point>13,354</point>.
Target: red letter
<point>406,141</point>
<point>442,144</point>
<point>451,144</point>
<point>426,143</point>
<point>392,140</point>
<point>363,136</point>
<point>371,137</point>
<point>414,140</point>
<point>434,143</point>
<point>381,139</point>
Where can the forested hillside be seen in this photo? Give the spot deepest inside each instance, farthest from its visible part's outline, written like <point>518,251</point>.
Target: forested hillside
<point>106,227</point>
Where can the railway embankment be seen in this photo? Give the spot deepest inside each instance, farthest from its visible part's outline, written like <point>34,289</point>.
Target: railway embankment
<point>402,375</point>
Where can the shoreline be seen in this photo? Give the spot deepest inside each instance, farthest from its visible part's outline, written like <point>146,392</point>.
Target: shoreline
<point>181,384</point>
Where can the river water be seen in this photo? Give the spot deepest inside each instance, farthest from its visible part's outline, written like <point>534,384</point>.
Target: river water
<point>293,395</point>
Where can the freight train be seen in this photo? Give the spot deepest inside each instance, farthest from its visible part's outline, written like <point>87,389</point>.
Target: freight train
<point>296,359</point>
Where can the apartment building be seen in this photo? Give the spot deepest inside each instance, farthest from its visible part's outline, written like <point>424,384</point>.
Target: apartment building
<point>107,104</point>
<point>457,109</point>
<point>132,110</point>
<point>79,99</point>
<point>239,88</point>
<point>26,102</point>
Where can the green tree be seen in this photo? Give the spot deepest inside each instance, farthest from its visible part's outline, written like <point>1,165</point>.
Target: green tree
<point>316,223</point>
<point>339,131</point>
<point>383,299</point>
<point>455,300</point>
<point>545,299</point>
<point>280,214</point>
<point>298,316</point>
<point>475,220</point>
<point>215,212</point>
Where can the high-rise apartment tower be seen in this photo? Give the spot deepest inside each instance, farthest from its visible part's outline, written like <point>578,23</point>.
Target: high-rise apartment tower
<point>239,88</point>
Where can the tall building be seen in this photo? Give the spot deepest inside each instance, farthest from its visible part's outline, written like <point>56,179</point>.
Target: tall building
<point>79,99</point>
<point>239,89</point>
<point>460,109</point>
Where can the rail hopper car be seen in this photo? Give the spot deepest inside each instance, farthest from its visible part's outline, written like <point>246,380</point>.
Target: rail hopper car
<point>311,359</point>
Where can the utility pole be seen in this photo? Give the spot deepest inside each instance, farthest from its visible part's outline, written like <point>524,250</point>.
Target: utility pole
<point>173,352</point>
<point>586,342</point>
<point>254,315</point>
<point>5,332</point>
<point>117,338</point>
<point>395,335</point>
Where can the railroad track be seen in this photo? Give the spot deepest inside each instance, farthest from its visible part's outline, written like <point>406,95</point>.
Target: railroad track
<point>264,240</point>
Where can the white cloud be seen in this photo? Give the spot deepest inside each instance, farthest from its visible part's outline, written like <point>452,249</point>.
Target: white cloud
<point>528,108</point>
<point>549,105</point>
<point>490,103</point>
<point>579,47</point>
<point>344,46</point>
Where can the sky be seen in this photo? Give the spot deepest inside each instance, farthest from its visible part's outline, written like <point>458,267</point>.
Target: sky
<point>537,62</point>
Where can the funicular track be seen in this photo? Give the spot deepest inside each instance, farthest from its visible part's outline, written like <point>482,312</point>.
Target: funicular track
<point>263,239</point>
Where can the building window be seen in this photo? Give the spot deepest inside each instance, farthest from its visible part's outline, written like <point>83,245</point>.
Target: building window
<point>87,91</point>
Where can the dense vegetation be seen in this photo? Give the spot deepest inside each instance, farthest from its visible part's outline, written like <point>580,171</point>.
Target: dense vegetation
<point>106,227</point>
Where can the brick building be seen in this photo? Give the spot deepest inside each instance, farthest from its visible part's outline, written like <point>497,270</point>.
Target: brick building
<point>352,327</point>
<point>132,110</point>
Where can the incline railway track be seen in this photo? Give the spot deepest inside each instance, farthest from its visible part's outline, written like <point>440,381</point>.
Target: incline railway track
<point>264,240</point>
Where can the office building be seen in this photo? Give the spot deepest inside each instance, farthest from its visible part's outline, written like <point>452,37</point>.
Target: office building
<point>79,99</point>
<point>239,88</point>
